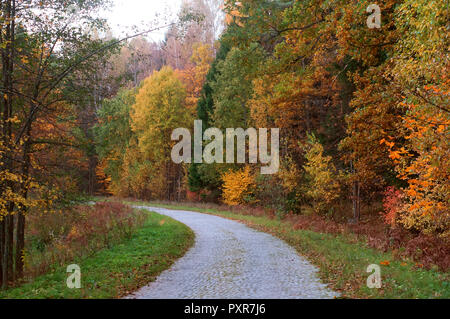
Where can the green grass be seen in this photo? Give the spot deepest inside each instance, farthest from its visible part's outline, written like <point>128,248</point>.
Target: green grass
<point>343,261</point>
<point>116,272</point>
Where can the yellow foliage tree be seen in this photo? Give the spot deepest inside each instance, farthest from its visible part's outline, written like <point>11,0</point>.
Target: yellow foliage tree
<point>322,182</point>
<point>159,109</point>
<point>238,187</point>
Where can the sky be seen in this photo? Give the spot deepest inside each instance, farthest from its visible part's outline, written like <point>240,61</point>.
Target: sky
<point>144,14</point>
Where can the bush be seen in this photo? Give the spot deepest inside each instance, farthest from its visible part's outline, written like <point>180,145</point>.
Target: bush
<point>392,204</point>
<point>238,187</point>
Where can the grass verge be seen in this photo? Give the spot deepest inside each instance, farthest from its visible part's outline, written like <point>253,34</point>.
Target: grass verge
<point>343,261</point>
<point>120,270</point>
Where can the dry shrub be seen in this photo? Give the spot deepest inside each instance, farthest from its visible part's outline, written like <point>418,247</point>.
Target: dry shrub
<point>430,250</point>
<point>192,196</point>
<point>57,238</point>
<point>426,250</point>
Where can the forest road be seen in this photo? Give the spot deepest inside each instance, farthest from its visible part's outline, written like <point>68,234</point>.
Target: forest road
<point>232,261</point>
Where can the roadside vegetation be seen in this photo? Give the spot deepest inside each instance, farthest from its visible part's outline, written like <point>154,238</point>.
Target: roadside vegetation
<point>119,249</point>
<point>363,115</point>
<point>342,255</point>
<point>76,232</point>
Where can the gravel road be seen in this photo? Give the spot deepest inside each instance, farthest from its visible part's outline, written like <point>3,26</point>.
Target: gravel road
<point>231,261</point>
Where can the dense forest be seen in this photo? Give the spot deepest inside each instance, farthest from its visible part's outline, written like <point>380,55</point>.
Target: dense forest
<point>363,112</point>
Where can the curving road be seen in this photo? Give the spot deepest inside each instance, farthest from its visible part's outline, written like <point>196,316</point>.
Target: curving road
<point>231,261</point>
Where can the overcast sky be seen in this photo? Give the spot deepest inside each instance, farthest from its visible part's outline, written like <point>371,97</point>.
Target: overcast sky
<point>142,13</point>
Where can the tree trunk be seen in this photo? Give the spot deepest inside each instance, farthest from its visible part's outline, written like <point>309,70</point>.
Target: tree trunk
<point>5,260</point>
<point>2,244</point>
<point>7,54</point>
<point>22,210</point>
<point>20,233</point>
<point>356,201</point>
<point>92,182</point>
<point>20,243</point>
<point>11,245</point>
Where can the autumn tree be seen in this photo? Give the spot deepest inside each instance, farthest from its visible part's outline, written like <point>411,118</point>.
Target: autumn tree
<point>137,60</point>
<point>39,53</point>
<point>419,83</point>
<point>181,40</point>
<point>113,136</point>
<point>200,176</point>
<point>194,75</point>
<point>159,109</point>
<point>321,177</point>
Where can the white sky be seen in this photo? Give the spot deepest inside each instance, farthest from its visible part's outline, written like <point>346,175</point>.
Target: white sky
<point>143,14</point>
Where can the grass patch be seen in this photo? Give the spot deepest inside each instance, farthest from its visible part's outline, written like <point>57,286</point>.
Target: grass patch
<point>119,270</point>
<point>343,260</point>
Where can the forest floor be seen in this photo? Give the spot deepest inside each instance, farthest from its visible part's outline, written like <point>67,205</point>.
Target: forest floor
<point>342,259</point>
<point>117,271</point>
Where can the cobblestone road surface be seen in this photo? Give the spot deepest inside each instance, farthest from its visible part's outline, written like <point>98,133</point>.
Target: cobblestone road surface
<point>231,261</point>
